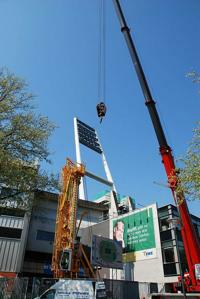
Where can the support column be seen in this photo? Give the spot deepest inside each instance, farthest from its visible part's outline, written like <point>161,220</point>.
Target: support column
<point>78,158</point>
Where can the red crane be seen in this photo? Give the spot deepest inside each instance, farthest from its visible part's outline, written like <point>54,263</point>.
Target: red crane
<point>191,245</point>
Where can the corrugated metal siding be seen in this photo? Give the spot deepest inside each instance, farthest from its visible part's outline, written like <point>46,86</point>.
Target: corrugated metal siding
<point>9,251</point>
<point>11,221</point>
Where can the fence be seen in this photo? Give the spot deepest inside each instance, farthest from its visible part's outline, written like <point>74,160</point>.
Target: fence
<point>30,288</point>
<point>13,288</point>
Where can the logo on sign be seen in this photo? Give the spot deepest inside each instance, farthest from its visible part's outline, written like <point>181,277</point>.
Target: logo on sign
<point>148,253</point>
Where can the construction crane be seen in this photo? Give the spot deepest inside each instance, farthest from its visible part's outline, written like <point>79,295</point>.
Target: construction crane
<point>190,241</point>
<point>68,253</point>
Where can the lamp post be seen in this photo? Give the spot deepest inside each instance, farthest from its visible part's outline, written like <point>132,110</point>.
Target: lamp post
<point>174,222</point>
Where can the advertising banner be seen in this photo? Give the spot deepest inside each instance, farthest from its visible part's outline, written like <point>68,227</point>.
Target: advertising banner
<point>106,253</point>
<point>136,232</point>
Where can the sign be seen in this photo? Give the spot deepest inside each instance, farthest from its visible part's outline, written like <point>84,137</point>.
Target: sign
<point>136,232</point>
<point>73,289</point>
<point>106,253</point>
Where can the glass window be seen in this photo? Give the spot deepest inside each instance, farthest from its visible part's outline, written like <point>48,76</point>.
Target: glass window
<point>48,295</point>
<point>8,232</point>
<point>45,236</point>
<point>168,255</point>
<point>167,244</point>
<point>166,235</point>
<point>164,223</point>
<point>170,269</point>
<point>178,235</point>
<point>169,261</point>
<point>163,213</point>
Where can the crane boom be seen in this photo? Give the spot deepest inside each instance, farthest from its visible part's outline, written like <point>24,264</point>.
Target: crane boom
<point>66,214</point>
<point>191,245</point>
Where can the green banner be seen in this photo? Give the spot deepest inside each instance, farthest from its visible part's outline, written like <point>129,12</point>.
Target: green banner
<point>136,232</point>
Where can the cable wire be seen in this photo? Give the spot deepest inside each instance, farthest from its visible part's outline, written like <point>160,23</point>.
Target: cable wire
<point>101,72</point>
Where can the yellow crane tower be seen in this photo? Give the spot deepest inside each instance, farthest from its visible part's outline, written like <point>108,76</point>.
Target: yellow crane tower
<point>68,253</point>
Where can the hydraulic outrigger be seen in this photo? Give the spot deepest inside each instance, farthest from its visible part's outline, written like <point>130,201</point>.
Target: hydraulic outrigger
<point>191,245</point>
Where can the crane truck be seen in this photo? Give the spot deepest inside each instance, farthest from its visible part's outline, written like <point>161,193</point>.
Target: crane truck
<point>190,241</point>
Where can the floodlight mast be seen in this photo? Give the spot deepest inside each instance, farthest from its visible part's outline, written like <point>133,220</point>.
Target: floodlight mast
<point>191,245</point>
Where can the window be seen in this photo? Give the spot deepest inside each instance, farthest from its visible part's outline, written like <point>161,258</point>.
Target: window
<point>178,235</point>
<point>164,223</point>
<point>170,269</point>
<point>45,236</point>
<point>7,232</point>
<point>168,255</point>
<point>169,261</point>
<point>163,213</point>
<point>166,235</point>
<point>48,295</point>
<point>167,244</point>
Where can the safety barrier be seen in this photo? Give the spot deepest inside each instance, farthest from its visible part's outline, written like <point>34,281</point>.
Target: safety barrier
<point>13,288</point>
<point>30,288</point>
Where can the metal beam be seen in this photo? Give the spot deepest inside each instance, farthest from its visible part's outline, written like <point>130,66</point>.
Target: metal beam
<point>98,178</point>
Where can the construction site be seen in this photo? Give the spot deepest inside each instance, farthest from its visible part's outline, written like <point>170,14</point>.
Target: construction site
<point>71,246</point>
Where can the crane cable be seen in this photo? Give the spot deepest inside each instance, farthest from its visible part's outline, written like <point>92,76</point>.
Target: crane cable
<point>101,52</point>
<point>101,107</point>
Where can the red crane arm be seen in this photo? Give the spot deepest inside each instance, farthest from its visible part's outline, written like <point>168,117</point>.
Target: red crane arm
<point>192,248</point>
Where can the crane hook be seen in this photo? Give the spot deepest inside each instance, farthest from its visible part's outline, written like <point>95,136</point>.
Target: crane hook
<point>101,110</point>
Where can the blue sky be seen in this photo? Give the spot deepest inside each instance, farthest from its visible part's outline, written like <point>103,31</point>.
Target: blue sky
<point>53,45</point>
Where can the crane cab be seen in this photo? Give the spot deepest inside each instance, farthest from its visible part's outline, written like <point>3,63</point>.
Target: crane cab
<point>66,260</point>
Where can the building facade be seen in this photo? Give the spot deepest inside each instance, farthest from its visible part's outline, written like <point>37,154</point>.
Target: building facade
<point>14,224</point>
<point>164,266</point>
<point>39,247</point>
<point>26,239</point>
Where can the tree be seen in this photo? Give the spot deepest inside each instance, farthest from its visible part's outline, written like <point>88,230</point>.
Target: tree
<point>23,141</point>
<point>190,173</point>
<point>195,76</point>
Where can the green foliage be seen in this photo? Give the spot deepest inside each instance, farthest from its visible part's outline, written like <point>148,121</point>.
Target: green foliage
<point>23,139</point>
<point>194,76</point>
<point>190,173</point>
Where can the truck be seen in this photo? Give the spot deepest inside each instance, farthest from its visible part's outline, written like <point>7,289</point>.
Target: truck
<point>190,240</point>
<point>75,289</point>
